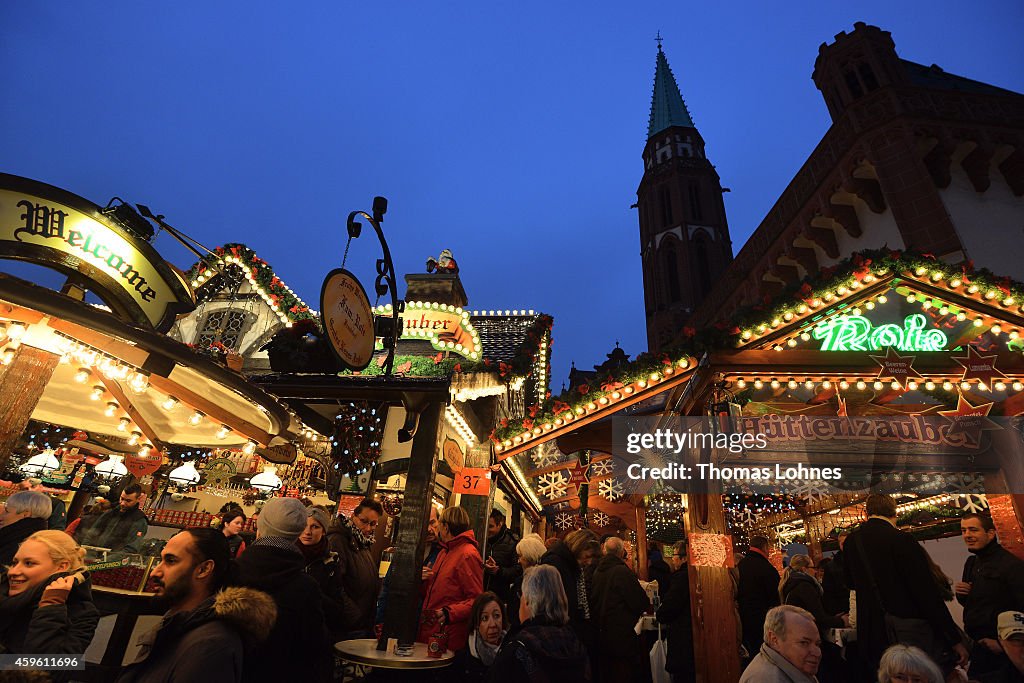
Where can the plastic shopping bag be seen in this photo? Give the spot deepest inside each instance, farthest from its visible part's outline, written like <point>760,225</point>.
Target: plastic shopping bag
<point>659,655</point>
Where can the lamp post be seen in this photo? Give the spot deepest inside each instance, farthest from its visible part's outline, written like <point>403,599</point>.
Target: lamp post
<point>388,329</point>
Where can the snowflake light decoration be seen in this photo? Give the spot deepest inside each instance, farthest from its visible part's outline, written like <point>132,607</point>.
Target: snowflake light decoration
<point>748,515</point>
<point>600,519</point>
<point>973,502</point>
<point>967,484</point>
<point>610,489</point>
<point>564,520</point>
<point>810,490</point>
<point>544,456</point>
<point>553,485</point>
<point>602,467</point>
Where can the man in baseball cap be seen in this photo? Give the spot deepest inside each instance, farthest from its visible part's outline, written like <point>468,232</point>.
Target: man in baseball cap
<point>298,647</point>
<point>1010,626</point>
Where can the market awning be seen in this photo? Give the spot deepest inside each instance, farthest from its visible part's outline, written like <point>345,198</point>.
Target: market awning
<point>116,378</point>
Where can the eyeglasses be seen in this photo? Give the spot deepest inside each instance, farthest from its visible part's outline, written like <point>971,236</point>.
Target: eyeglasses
<point>372,525</point>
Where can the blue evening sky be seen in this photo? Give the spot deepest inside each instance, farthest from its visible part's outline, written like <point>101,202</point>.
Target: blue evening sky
<point>510,133</point>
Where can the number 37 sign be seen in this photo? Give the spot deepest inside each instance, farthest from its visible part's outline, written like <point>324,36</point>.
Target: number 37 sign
<point>473,481</point>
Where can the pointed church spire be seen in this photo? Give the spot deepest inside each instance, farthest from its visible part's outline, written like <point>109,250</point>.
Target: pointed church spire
<point>667,106</point>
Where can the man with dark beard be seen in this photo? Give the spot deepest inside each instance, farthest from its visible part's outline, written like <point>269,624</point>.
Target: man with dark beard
<point>122,528</point>
<point>204,634</point>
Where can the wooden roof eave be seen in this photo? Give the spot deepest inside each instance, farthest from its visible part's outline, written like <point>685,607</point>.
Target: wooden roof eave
<point>677,379</point>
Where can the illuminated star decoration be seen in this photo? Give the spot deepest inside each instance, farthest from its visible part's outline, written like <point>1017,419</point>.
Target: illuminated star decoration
<point>979,367</point>
<point>578,475</point>
<point>896,367</point>
<point>968,419</point>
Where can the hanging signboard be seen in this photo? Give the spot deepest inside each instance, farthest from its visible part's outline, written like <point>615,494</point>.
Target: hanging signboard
<point>141,465</point>
<point>447,327</point>
<point>347,319</point>
<point>473,481</point>
<point>452,453</point>
<point>54,228</point>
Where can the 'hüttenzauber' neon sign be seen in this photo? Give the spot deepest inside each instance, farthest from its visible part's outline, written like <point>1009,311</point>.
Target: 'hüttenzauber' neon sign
<point>856,333</point>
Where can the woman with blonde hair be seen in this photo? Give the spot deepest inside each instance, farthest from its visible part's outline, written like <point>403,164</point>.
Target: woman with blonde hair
<point>907,664</point>
<point>529,550</point>
<point>457,580</point>
<point>46,602</point>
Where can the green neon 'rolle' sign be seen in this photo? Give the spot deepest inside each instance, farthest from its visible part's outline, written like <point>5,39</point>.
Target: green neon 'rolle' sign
<point>856,333</point>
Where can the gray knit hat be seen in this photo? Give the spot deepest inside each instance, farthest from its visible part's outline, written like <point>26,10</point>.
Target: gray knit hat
<point>284,517</point>
<point>322,518</point>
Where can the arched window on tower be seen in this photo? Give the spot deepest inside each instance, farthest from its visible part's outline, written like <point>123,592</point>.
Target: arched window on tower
<point>666,206</point>
<point>670,266</point>
<point>702,262</point>
<point>696,212</point>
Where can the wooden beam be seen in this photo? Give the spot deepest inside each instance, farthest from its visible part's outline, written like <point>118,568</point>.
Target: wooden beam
<point>127,406</point>
<point>210,409</point>
<point>677,378</point>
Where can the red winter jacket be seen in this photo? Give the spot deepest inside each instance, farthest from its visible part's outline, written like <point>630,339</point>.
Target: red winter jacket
<point>458,580</point>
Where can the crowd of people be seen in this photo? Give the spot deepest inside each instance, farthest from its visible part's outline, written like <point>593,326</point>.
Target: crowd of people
<point>883,586</point>
<point>562,610</point>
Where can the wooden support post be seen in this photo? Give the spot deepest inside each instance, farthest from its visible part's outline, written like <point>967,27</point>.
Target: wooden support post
<point>716,645</point>
<point>478,507</point>
<point>22,383</point>
<point>641,539</point>
<point>401,617</point>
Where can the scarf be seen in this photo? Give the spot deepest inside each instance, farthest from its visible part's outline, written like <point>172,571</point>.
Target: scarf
<point>482,650</point>
<point>581,596</point>
<point>315,551</point>
<point>359,540</point>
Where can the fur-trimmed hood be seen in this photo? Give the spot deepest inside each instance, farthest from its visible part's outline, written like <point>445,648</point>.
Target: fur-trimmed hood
<point>251,611</point>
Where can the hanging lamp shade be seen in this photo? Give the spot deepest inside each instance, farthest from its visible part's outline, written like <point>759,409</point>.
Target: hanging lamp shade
<point>112,468</point>
<point>267,480</point>
<point>184,475</point>
<point>42,464</point>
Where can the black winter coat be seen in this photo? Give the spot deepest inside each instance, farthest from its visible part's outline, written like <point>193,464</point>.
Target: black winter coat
<point>204,645</point>
<point>360,576</point>
<point>297,647</point>
<point>13,534</point>
<point>541,653</point>
<point>836,596</point>
<point>618,602</point>
<point>326,571</point>
<point>756,592</point>
<point>997,585</point>
<point>561,558</point>
<point>503,549</point>
<point>675,613</point>
<point>803,591</point>
<point>905,582</point>
<point>65,629</point>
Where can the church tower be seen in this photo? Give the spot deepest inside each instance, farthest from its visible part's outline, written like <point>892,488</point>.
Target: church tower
<point>684,238</point>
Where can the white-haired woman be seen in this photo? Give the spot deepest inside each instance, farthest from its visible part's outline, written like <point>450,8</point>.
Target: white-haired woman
<point>26,512</point>
<point>529,551</point>
<point>545,648</point>
<point>907,664</point>
<point>46,603</point>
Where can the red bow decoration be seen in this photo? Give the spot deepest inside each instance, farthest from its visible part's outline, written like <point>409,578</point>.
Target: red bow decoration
<point>528,425</point>
<point>404,367</point>
<point>458,367</point>
<point>381,360</point>
<point>533,410</point>
<point>561,407</point>
<point>438,357</point>
<point>584,389</point>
